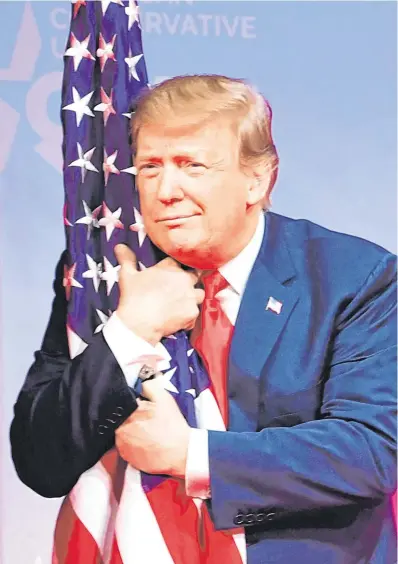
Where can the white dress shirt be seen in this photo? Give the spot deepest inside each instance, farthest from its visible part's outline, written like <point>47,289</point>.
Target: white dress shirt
<point>132,352</point>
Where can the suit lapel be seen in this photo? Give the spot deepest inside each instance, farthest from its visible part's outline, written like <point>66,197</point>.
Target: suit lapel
<point>257,328</point>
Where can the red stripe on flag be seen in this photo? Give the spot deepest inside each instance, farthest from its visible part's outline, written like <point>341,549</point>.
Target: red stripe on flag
<point>178,520</point>
<point>73,544</point>
<point>116,467</point>
<point>219,546</point>
<point>115,554</point>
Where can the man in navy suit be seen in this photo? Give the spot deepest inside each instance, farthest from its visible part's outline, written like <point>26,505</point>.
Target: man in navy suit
<point>307,464</point>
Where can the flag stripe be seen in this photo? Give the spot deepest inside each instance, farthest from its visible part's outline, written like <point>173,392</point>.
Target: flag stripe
<point>73,543</point>
<point>178,520</point>
<point>95,505</point>
<point>138,534</point>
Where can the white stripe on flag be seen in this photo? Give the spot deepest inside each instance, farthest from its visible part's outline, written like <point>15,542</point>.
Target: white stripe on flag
<point>138,534</point>
<point>208,417</point>
<point>75,343</point>
<point>240,541</point>
<point>207,412</point>
<point>95,505</point>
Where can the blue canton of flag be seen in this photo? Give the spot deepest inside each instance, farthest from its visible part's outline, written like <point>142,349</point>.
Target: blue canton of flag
<point>104,72</point>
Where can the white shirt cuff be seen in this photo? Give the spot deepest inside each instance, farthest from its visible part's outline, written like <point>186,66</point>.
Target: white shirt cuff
<point>197,472</point>
<point>131,351</point>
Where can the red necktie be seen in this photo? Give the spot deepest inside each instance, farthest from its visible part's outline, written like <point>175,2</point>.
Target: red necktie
<point>213,338</point>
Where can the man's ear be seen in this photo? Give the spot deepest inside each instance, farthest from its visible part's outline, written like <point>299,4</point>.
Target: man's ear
<point>259,185</point>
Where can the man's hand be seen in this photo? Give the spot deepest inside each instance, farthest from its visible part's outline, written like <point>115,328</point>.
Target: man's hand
<point>158,301</point>
<point>154,439</point>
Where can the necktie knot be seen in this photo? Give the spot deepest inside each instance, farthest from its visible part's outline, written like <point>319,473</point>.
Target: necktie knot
<point>213,283</point>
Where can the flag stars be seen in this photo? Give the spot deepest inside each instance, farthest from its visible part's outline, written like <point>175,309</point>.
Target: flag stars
<point>106,105</point>
<point>110,275</point>
<point>84,161</point>
<point>105,4</point>
<point>78,50</point>
<point>165,380</point>
<point>138,227</point>
<point>132,61</point>
<point>111,220</point>
<point>132,11</point>
<point>65,215</point>
<point>90,218</point>
<point>80,105</point>
<point>130,170</point>
<point>75,343</point>
<point>109,165</point>
<point>105,51</point>
<point>103,318</point>
<point>77,5</point>
<point>69,280</point>
<point>94,272</point>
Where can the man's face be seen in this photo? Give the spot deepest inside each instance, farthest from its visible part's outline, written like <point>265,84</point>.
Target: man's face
<point>193,192</point>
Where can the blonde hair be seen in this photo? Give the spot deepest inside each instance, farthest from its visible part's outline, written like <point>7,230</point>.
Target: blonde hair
<point>194,99</point>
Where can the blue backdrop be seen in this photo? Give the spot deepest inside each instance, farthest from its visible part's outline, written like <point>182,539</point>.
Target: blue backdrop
<point>329,72</point>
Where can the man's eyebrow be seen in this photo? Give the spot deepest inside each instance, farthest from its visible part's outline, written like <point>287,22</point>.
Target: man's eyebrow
<point>147,157</point>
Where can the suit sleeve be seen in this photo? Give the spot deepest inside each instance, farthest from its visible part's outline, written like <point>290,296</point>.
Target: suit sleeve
<point>344,458</point>
<point>67,410</point>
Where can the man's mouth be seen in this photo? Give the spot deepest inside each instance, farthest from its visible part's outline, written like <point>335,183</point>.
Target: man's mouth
<point>175,219</point>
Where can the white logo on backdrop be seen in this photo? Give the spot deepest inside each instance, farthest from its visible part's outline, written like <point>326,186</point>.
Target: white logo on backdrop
<point>24,59</point>
<point>21,69</point>
<point>201,24</point>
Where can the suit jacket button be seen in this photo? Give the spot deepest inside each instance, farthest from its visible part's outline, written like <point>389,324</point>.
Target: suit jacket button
<point>270,516</point>
<point>239,519</point>
<point>119,410</point>
<point>102,429</point>
<point>250,519</point>
<point>260,517</point>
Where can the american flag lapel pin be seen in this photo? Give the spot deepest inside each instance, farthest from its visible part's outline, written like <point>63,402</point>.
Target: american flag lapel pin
<point>274,305</point>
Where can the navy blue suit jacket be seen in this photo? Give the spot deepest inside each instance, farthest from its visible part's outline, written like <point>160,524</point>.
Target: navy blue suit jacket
<point>308,463</point>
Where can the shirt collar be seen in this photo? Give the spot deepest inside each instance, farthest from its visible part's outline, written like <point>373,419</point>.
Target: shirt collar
<point>236,272</point>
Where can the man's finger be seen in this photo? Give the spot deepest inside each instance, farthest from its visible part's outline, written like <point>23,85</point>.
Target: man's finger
<point>193,276</point>
<point>169,263</point>
<point>154,391</point>
<point>199,295</point>
<point>125,256</point>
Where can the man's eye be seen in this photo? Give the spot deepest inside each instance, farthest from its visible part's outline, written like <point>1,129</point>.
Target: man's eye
<point>195,165</point>
<point>146,168</point>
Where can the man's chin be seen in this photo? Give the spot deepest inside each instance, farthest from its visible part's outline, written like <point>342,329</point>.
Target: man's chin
<point>182,251</point>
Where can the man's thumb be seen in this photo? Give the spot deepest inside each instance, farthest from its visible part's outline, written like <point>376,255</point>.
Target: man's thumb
<point>125,256</point>
<point>154,391</point>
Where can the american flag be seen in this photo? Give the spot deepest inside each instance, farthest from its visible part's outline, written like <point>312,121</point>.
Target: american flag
<point>274,305</point>
<point>116,514</point>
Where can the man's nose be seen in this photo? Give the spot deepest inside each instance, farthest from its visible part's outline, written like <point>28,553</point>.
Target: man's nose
<point>170,188</point>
